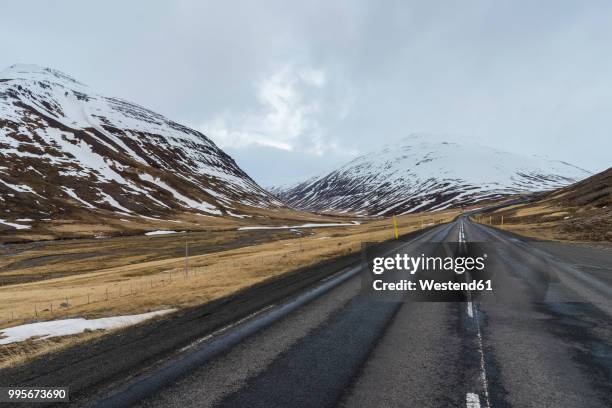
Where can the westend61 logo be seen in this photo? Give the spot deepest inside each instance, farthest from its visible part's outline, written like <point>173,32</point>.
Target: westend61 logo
<point>411,264</point>
<point>427,272</point>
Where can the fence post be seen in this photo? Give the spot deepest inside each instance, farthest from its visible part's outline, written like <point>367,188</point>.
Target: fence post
<point>186,259</point>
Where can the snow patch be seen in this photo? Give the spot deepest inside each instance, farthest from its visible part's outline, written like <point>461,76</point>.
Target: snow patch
<point>72,194</point>
<point>66,327</point>
<point>161,232</point>
<point>202,206</point>
<point>16,226</point>
<point>312,225</point>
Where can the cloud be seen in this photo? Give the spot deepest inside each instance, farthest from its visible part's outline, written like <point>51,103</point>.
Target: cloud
<point>289,116</point>
<point>327,80</point>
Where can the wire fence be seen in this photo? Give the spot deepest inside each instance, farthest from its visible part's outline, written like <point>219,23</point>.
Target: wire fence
<point>65,304</point>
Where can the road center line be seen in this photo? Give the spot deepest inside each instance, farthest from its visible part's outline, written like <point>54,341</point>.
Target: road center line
<point>472,312</point>
<point>483,369</point>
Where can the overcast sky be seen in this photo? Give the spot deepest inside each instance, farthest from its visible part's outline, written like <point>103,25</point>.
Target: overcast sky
<point>291,89</point>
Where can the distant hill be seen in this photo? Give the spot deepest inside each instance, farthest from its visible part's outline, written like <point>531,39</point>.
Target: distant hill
<point>421,173</point>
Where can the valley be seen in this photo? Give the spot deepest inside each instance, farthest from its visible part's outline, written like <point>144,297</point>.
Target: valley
<point>132,275</point>
<point>139,262</point>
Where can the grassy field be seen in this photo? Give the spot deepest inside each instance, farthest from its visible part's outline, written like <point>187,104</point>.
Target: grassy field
<point>551,224</point>
<point>97,278</point>
<point>102,224</point>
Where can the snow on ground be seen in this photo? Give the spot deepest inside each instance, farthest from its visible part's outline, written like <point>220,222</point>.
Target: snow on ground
<point>56,328</point>
<point>16,226</point>
<point>72,194</point>
<point>202,206</point>
<point>17,187</point>
<point>312,225</point>
<point>161,232</point>
<point>110,200</point>
<point>150,218</point>
<point>231,214</point>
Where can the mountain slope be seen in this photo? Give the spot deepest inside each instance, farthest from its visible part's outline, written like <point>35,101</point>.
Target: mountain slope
<point>423,174</point>
<point>581,212</point>
<point>592,192</point>
<point>66,150</point>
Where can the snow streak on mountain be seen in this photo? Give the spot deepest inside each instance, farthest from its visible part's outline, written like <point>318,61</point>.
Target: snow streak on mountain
<point>421,174</point>
<point>66,149</point>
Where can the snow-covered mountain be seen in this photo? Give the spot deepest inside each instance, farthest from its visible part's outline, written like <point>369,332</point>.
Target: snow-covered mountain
<point>66,149</point>
<point>424,173</point>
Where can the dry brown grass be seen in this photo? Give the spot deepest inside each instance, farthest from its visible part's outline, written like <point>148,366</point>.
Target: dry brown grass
<point>138,286</point>
<point>548,221</point>
<point>31,262</point>
<point>101,223</point>
<point>581,212</point>
<point>18,353</point>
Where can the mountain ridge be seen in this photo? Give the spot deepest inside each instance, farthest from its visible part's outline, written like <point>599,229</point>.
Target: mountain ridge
<point>67,150</point>
<point>419,174</point>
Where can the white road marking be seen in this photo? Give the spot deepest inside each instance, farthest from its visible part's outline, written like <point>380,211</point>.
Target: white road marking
<point>472,400</point>
<point>483,369</point>
<point>225,328</point>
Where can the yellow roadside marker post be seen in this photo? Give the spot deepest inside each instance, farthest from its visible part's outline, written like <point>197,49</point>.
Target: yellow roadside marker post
<point>395,227</point>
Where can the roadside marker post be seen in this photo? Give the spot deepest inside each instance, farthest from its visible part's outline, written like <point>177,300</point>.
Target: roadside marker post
<point>395,227</point>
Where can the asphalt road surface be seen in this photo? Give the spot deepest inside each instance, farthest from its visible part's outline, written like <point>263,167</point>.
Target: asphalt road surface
<point>544,339</point>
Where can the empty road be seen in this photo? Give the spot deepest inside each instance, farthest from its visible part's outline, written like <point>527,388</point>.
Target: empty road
<point>545,340</point>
